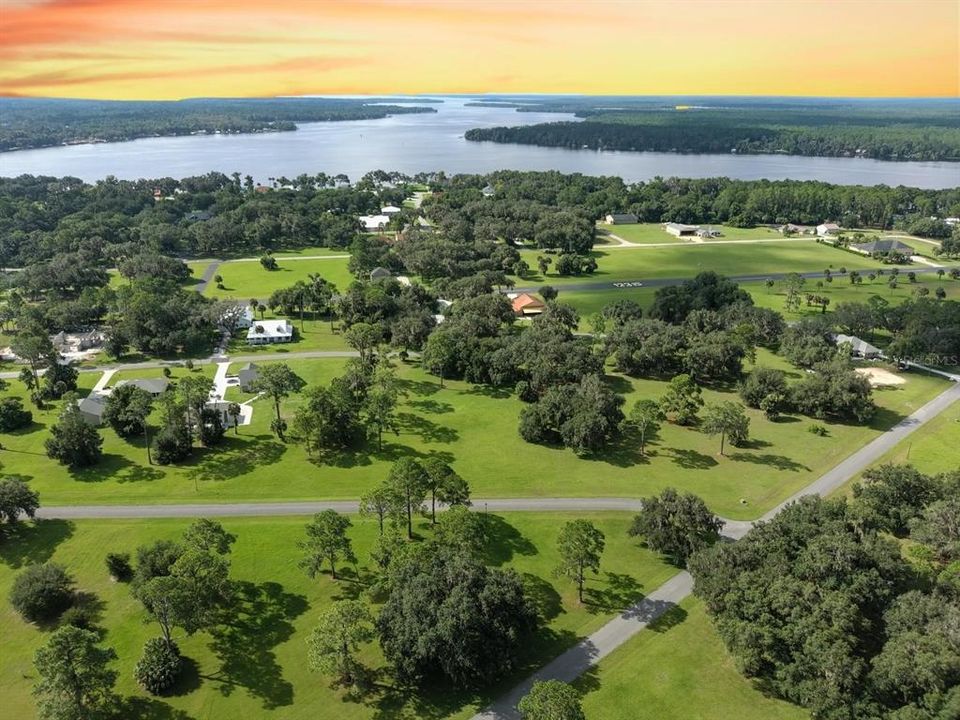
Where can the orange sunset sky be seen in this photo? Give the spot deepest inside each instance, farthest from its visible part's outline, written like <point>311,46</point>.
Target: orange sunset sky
<point>160,49</point>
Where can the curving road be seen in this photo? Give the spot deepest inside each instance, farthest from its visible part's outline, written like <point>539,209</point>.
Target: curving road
<point>588,652</point>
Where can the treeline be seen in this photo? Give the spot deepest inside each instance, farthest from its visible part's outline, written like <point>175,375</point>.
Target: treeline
<point>213,214</point>
<point>519,197</point>
<point>41,217</point>
<point>35,123</point>
<point>900,137</point>
<point>826,609</point>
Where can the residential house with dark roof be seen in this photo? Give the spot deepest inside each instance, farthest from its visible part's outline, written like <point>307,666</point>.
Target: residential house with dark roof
<point>622,219</point>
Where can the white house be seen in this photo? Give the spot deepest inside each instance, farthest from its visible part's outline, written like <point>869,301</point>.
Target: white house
<point>621,219</point>
<point>488,191</point>
<point>264,332</point>
<point>373,223</point>
<point>708,232</point>
<point>827,229</point>
<point>390,211</point>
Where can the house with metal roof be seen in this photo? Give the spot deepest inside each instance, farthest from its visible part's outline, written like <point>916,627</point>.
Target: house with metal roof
<point>91,408</point>
<point>858,348</point>
<point>152,386</point>
<point>884,246</point>
<point>680,230</point>
<point>265,332</point>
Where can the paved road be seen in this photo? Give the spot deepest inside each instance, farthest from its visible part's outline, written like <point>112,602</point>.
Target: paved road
<point>588,652</point>
<point>300,355</point>
<point>732,528</point>
<point>664,282</point>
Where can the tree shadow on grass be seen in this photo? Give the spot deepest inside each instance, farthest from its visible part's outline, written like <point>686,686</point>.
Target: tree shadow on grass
<point>616,592</point>
<point>431,406</point>
<point>390,700</point>
<point>258,622</point>
<point>234,457</point>
<point>625,452</point>
<point>778,462</point>
<point>419,387</point>
<point>429,431</point>
<point>691,459</point>
<point>29,543</point>
<point>188,680</point>
<point>543,595</point>
<point>670,619</point>
<point>144,708</point>
<point>489,391</point>
<point>882,419</point>
<point>504,541</point>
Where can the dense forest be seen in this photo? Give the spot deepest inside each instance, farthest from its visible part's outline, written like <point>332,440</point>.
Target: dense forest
<point>41,217</point>
<point>897,133</point>
<point>34,123</point>
<point>824,607</point>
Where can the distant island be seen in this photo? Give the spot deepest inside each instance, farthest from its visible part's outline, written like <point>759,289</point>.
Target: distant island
<point>883,130</point>
<point>41,122</point>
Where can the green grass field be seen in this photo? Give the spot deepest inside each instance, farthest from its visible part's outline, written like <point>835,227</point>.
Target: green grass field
<point>256,667</point>
<point>677,669</point>
<point>311,335</point>
<point>243,280</point>
<point>688,260</point>
<point>475,429</point>
<point>934,447</point>
<point>588,302</point>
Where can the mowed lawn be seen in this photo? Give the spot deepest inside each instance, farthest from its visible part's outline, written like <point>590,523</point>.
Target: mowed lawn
<point>245,279</point>
<point>934,448</point>
<point>686,261</point>
<point>588,302</point>
<point>256,667</point>
<point>474,428</point>
<point>678,669</point>
<point>311,334</point>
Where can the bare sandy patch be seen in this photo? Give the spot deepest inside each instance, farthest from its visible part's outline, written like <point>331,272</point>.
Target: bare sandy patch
<point>879,377</point>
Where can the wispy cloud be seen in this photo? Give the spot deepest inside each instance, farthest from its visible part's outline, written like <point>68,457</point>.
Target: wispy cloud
<point>177,48</point>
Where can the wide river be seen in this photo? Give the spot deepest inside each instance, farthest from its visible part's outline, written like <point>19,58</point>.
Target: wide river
<point>434,141</point>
